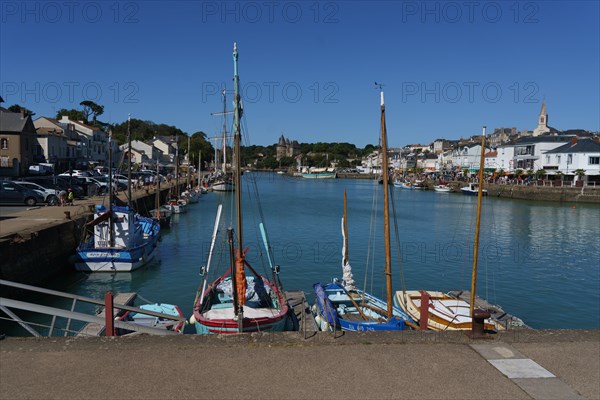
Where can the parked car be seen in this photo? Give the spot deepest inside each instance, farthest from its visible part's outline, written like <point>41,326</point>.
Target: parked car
<point>75,172</point>
<point>41,169</point>
<point>50,195</point>
<point>13,193</point>
<point>121,179</point>
<point>58,183</point>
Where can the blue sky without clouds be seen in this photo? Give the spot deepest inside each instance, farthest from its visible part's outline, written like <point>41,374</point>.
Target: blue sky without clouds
<point>308,68</point>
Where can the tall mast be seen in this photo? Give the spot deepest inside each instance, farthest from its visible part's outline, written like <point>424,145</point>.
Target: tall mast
<point>189,159</point>
<point>129,156</point>
<point>477,225</point>
<point>224,141</point>
<point>386,211</point>
<point>237,114</point>
<point>111,240</point>
<point>199,167</point>
<point>177,164</point>
<point>345,227</point>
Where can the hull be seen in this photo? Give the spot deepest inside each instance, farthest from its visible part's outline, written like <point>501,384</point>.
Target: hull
<point>223,187</point>
<point>134,242</point>
<point>177,207</point>
<point>442,189</point>
<point>446,313</point>
<point>324,175</point>
<point>349,318</point>
<point>156,322</point>
<point>216,315</point>
<point>115,260</point>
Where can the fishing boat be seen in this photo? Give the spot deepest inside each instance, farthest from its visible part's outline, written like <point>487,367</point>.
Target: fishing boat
<point>445,312</point>
<point>442,188</point>
<point>404,185</point>
<point>341,305</point>
<point>117,239</point>
<point>319,175</point>
<point>236,302</point>
<point>472,189</point>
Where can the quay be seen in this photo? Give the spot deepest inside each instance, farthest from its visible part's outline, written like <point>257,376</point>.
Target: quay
<point>557,364</point>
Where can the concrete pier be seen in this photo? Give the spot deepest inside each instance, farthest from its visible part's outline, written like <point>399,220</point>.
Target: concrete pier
<point>425,365</point>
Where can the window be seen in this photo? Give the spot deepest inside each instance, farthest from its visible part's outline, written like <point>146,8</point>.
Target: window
<point>558,159</point>
<point>594,161</point>
<point>4,144</point>
<point>569,158</point>
<point>547,159</point>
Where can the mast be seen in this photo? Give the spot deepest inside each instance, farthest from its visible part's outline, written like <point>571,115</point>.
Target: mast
<point>386,211</point>
<point>199,167</point>
<point>477,225</point>
<point>177,164</point>
<point>111,240</point>
<point>157,191</point>
<point>237,114</point>
<point>240,278</point>
<point>129,157</point>
<point>189,159</point>
<point>224,141</point>
<point>345,228</point>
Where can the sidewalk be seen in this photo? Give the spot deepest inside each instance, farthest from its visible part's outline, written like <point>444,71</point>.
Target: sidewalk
<point>424,365</point>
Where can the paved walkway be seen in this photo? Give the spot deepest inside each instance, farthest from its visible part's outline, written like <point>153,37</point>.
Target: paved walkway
<point>517,365</point>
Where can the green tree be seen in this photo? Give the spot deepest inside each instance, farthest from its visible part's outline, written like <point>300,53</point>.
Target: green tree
<point>91,108</point>
<point>15,108</point>
<point>73,114</point>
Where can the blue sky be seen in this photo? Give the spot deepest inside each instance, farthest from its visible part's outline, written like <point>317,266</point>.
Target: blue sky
<point>308,68</point>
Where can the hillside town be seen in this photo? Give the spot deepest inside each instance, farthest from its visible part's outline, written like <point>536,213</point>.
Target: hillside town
<point>35,146</point>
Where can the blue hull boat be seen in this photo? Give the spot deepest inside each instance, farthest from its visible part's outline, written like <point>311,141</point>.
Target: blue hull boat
<point>355,311</point>
<point>119,241</point>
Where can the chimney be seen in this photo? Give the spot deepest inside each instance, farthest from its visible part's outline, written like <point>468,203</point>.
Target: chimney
<point>23,113</point>
<point>573,140</point>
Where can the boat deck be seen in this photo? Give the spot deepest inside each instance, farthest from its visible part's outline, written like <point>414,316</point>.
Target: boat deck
<point>300,311</point>
<point>497,313</point>
<point>93,329</point>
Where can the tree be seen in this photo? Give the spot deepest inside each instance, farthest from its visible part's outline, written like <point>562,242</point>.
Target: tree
<point>15,108</point>
<point>580,173</point>
<point>73,114</point>
<point>91,108</point>
<point>540,173</point>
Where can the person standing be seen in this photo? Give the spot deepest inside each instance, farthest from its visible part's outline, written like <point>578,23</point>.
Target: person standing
<point>70,196</point>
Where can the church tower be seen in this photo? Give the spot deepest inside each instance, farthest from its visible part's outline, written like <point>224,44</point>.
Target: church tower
<point>542,121</point>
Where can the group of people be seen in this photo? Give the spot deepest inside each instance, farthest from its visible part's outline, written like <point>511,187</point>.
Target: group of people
<point>66,198</point>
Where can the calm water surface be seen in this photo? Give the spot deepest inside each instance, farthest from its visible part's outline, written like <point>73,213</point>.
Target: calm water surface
<point>539,261</point>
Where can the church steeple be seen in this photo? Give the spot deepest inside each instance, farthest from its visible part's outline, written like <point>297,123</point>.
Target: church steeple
<point>542,121</point>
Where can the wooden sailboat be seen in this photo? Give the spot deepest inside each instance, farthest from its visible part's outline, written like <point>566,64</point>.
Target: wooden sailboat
<point>235,302</point>
<point>175,204</point>
<point>343,306</point>
<point>445,312</point>
<point>160,213</point>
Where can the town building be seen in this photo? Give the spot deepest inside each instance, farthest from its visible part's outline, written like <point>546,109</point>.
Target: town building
<point>17,142</point>
<point>575,155</point>
<point>286,148</point>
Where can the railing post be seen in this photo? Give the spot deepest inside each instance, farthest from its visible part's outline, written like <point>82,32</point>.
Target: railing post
<point>424,317</point>
<point>109,315</point>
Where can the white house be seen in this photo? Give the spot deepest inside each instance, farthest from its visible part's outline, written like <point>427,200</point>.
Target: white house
<point>94,142</point>
<point>467,156</point>
<point>152,152</point>
<point>165,144</point>
<point>578,154</point>
<point>525,153</point>
<point>58,143</point>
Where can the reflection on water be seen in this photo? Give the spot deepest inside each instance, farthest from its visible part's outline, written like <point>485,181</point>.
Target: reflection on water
<point>539,261</point>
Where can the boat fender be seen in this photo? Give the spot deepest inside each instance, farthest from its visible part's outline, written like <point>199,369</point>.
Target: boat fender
<point>192,320</point>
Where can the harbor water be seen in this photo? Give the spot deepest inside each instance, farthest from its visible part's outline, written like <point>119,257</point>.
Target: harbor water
<point>539,261</point>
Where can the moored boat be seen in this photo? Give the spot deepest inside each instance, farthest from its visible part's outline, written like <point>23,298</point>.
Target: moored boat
<point>344,306</point>
<point>238,302</point>
<point>154,321</point>
<point>472,189</point>
<point>442,188</point>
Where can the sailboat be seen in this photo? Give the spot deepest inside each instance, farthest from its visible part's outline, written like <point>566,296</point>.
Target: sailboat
<point>189,195</point>
<point>221,180</point>
<point>117,239</point>
<point>342,305</point>
<point>161,213</point>
<point>446,312</point>
<point>175,204</point>
<point>235,302</point>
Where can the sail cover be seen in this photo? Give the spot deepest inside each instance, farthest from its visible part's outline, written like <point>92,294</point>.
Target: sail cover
<point>347,277</point>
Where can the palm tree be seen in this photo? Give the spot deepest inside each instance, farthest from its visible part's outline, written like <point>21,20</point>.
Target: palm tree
<point>580,174</point>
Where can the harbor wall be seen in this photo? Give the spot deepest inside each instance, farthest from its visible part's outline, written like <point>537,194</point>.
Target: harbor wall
<point>34,255</point>
<point>546,193</point>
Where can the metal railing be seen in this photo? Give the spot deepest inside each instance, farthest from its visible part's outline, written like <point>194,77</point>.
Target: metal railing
<point>7,305</point>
